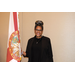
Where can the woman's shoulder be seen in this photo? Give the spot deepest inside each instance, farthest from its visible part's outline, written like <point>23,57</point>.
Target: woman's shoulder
<point>31,39</point>
<point>44,37</point>
<point>47,39</point>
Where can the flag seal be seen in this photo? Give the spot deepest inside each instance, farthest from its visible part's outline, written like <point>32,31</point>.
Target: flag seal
<point>14,45</point>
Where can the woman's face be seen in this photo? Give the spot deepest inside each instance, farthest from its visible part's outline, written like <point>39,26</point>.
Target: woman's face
<point>38,31</point>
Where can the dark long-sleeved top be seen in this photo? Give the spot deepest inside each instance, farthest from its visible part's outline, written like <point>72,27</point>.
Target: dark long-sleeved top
<point>36,50</point>
<point>39,50</point>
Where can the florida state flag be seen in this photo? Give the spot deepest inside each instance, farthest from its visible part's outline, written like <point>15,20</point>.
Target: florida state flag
<point>13,50</point>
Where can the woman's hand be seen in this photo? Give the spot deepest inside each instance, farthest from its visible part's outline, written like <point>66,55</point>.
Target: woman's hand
<point>23,53</point>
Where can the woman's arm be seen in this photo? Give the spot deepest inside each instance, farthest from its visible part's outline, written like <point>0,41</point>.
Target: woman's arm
<point>25,54</point>
<point>50,51</point>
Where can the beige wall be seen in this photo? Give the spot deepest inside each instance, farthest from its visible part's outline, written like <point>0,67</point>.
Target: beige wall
<point>4,21</point>
<point>58,26</point>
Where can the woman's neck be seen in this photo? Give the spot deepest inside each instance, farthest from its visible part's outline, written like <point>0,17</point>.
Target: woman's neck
<point>38,37</point>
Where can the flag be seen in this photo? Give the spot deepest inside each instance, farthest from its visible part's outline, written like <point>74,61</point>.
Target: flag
<point>13,45</point>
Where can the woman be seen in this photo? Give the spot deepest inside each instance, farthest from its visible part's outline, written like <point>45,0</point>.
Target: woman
<point>39,47</point>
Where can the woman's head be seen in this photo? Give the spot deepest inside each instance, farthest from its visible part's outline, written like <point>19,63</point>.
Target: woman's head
<point>39,23</point>
<point>38,28</point>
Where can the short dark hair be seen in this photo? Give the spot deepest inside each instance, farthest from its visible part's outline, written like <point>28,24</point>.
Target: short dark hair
<point>39,23</point>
